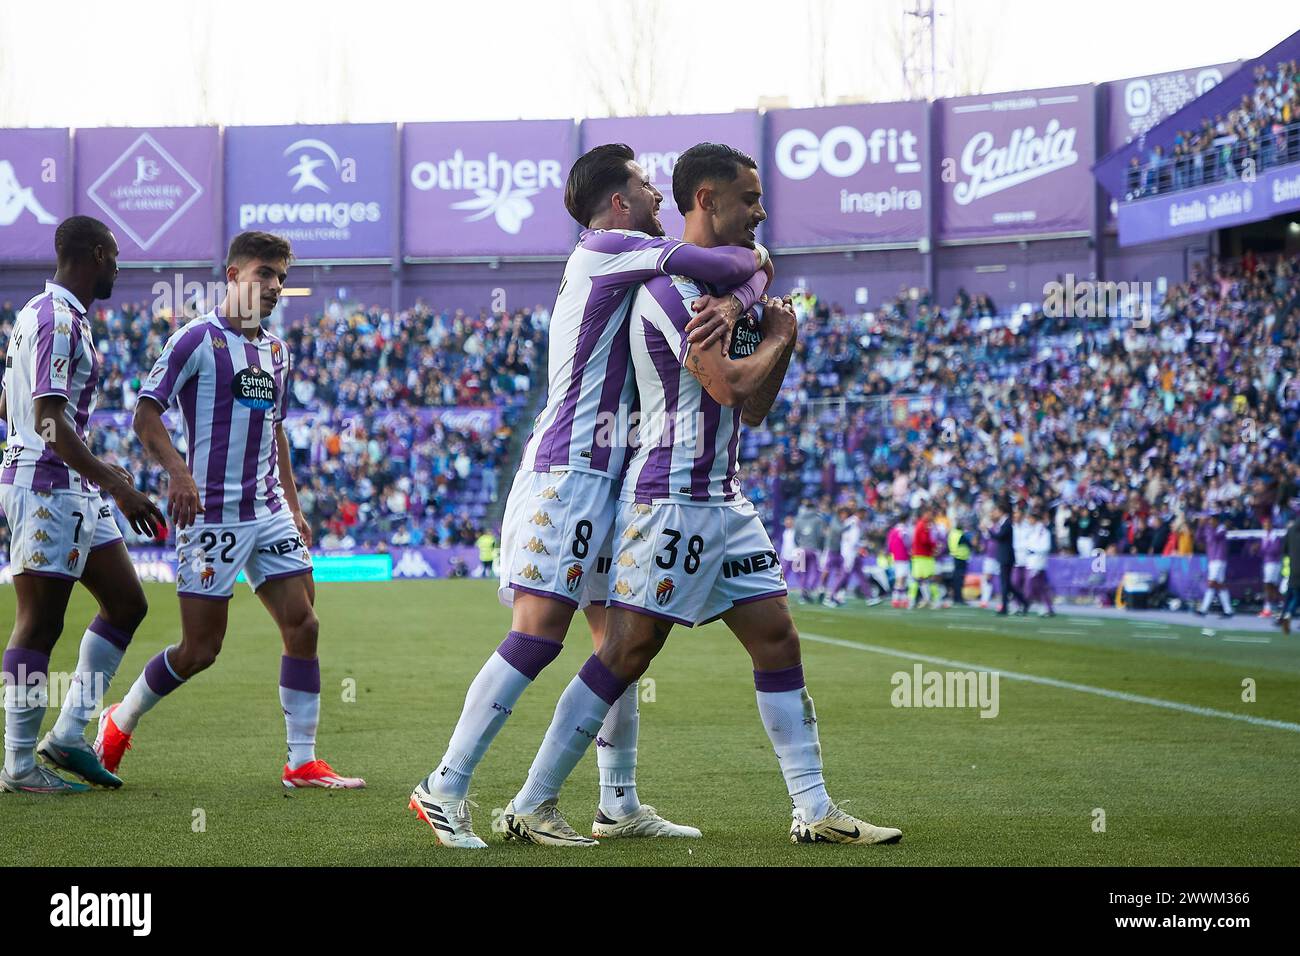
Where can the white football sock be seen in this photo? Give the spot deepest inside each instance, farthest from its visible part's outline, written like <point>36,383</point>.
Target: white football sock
<point>791,725</point>
<point>1207,600</point>
<point>986,589</point>
<point>26,692</point>
<point>578,717</point>
<point>300,701</point>
<point>97,662</point>
<point>155,682</point>
<point>616,755</point>
<point>1226,600</point>
<point>490,700</point>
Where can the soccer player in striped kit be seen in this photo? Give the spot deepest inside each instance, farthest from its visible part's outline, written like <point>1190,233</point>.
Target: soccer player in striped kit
<point>234,504</point>
<point>691,549</point>
<point>561,509</point>
<point>62,530</point>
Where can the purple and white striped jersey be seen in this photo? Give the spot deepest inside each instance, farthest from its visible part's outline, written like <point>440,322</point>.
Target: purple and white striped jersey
<point>231,393</point>
<point>688,443</point>
<point>590,392</point>
<point>51,353</point>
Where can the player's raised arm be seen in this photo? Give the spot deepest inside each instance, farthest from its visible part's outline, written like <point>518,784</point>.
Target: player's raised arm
<point>730,382</point>
<point>723,266</point>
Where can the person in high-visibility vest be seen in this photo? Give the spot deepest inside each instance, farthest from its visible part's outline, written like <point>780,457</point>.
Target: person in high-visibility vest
<point>487,549</point>
<point>959,545</point>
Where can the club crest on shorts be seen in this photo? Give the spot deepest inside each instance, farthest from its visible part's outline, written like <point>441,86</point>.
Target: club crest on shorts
<point>44,513</point>
<point>529,572</point>
<point>535,545</point>
<point>625,560</point>
<point>550,494</point>
<point>38,559</point>
<point>73,556</point>
<point>664,591</point>
<point>633,533</point>
<point>622,588</point>
<point>573,577</point>
<point>41,535</point>
<point>542,519</point>
<point>207,576</point>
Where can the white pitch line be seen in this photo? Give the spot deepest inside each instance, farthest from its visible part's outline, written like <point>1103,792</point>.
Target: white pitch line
<point>969,627</point>
<point>1156,637</point>
<point>1249,640</point>
<point>1049,630</point>
<point>1062,684</point>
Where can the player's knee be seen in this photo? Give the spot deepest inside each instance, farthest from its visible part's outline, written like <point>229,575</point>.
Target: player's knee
<point>300,635</point>
<point>128,612</point>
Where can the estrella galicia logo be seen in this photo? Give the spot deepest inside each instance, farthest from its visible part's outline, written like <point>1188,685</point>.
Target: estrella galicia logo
<point>253,388</point>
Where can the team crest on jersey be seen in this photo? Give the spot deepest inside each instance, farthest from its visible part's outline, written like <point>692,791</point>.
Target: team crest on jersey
<point>642,509</point>
<point>573,577</point>
<point>542,519</point>
<point>625,560</point>
<point>277,354</point>
<point>535,545</point>
<point>622,588</point>
<point>41,535</point>
<point>633,533</point>
<point>207,576</point>
<point>38,559</point>
<point>664,591</point>
<point>550,494</point>
<point>73,556</point>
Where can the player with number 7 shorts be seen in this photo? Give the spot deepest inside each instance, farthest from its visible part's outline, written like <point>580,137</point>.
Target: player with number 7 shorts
<point>234,504</point>
<point>62,530</point>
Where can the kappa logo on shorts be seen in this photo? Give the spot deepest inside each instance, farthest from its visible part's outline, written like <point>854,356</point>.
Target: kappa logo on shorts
<point>542,519</point>
<point>38,558</point>
<point>625,560</point>
<point>633,533</point>
<point>44,513</point>
<point>642,509</point>
<point>574,577</point>
<point>664,591</point>
<point>622,588</point>
<point>73,556</point>
<point>550,494</point>
<point>529,572</point>
<point>40,535</point>
<point>535,545</point>
<point>207,576</point>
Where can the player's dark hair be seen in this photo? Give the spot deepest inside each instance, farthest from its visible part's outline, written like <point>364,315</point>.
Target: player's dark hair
<point>77,236</point>
<point>702,163</point>
<point>258,245</point>
<point>598,174</point>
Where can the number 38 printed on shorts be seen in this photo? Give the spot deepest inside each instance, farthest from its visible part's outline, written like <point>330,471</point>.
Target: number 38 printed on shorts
<point>667,558</point>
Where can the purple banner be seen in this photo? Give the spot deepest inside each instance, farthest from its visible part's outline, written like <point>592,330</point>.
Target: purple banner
<point>659,140</point>
<point>1139,103</point>
<point>329,190</point>
<point>34,197</point>
<point>1191,211</point>
<point>155,188</point>
<point>487,189</point>
<point>847,175</point>
<point>1017,163</point>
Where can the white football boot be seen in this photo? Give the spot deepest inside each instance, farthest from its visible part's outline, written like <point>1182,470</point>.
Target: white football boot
<point>545,827</point>
<point>839,827</point>
<point>450,819</point>
<point>645,822</point>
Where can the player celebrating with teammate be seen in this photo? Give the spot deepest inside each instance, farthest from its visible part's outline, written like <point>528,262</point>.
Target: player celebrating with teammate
<point>691,548</point>
<point>234,504</point>
<point>561,508</point>
<point>61,529</point>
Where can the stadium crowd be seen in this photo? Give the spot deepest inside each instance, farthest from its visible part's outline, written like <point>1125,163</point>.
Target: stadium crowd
<point>1262,130</point>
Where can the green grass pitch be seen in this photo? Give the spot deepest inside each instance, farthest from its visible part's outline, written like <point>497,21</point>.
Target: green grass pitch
<point>1176,787</point>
